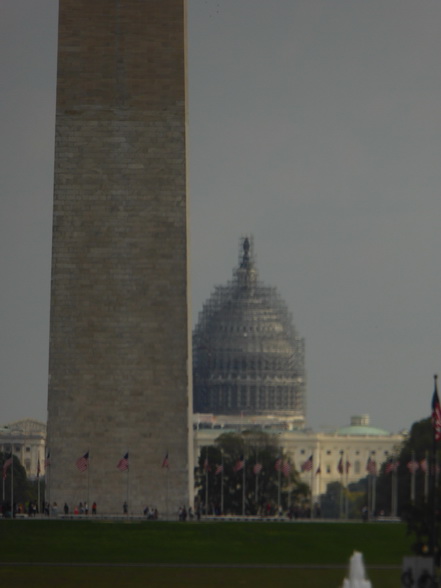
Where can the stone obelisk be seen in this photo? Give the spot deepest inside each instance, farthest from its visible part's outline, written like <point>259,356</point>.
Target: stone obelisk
<point>119,377</point>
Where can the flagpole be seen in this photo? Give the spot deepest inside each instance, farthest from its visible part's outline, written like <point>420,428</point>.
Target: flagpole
<point>318,488</point>
<point>12,484</point>
<point>436,425</point>
<point>166,493</point>
<point>394,487</point>
<point>373,484</point>
<point>279,481</point>
<point>412,479</point>
<point>369,495</point>
<point>257,489</point>
<point>47,478</point>
<point>38,484</point>
<point>243,486</point>
<point>88,477</point>
<point>222,482</point>
<point>315,483</point>
<point>372,480</point>
<point>347,466</point>
<point>341,467</point>
<point>128,486</point>
<point>206,481</point>
<point>426,478</point>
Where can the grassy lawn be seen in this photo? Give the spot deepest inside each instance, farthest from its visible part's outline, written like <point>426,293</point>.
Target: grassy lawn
<point>214,544</point>
<point>180,578</point>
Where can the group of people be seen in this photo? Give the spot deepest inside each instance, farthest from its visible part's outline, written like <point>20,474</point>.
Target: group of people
<point>81,509</point>
<point>30,508</point>
<point>151,513</point>
<point>183,513</point>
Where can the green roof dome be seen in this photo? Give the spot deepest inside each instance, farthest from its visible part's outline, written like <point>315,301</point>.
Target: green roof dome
<point>360,427</point>
<point>361,431</point>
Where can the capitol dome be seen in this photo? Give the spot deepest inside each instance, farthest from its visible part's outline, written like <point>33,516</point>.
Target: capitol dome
<point>247,356</point>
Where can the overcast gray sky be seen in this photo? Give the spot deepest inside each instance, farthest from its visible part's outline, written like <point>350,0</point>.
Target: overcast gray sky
<point>315,125</point>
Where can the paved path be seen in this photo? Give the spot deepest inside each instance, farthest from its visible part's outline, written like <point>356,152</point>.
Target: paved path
<point>194,565</point>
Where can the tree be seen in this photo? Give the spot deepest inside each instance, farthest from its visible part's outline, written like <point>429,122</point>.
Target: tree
<point>23,489</point>
<point>417,446</point>
<point>264,489</point>
<point>419,513</point>
<point>413,489</point>
<point>330,501</point>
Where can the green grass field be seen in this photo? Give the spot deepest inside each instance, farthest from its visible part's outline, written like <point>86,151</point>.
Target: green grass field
<point>164,554</point>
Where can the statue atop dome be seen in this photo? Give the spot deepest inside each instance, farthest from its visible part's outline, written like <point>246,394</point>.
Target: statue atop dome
<point>246,273</point>
<point>246,253</point>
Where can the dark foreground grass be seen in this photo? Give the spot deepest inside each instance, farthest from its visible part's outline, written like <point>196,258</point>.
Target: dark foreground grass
<point>142,547</point>
<point>183,577</point>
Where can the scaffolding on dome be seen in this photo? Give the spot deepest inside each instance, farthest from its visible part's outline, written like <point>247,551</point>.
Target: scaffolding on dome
<point>247,355</point>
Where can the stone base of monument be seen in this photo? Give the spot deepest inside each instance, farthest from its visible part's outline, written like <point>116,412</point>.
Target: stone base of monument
<point>418,571</point>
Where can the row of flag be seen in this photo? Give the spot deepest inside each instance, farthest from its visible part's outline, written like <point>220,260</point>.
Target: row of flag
<point>280,466</point>
<point>343,467</point>
<point>82,463</point>
<point>413,466</point>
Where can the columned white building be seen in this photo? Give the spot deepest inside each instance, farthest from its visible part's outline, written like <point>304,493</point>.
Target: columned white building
<point>339,456</point>
<point>27,440</point>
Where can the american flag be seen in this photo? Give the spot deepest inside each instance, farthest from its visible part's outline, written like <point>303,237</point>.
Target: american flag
<point>307,465</point>
<point>340,467</point>
<point>257,468</point>
<point>413,466</point>
<point>6,465</point>
<point>391,466</point>
<point>165,462</point>
<point>239,465</point>
<point>371,466</point>
<point>82,462</point>
<point>436,413</point>
<point>424,465</point>
<point>123,463</point>
<point>286,469</point>
<point>219,469</point>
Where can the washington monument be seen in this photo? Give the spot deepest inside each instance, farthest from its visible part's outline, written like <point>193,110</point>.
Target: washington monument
<point>119,380</point>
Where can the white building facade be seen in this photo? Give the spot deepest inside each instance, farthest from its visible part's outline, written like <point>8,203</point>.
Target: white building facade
<point>341,456</point>
<point>27,440</point>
